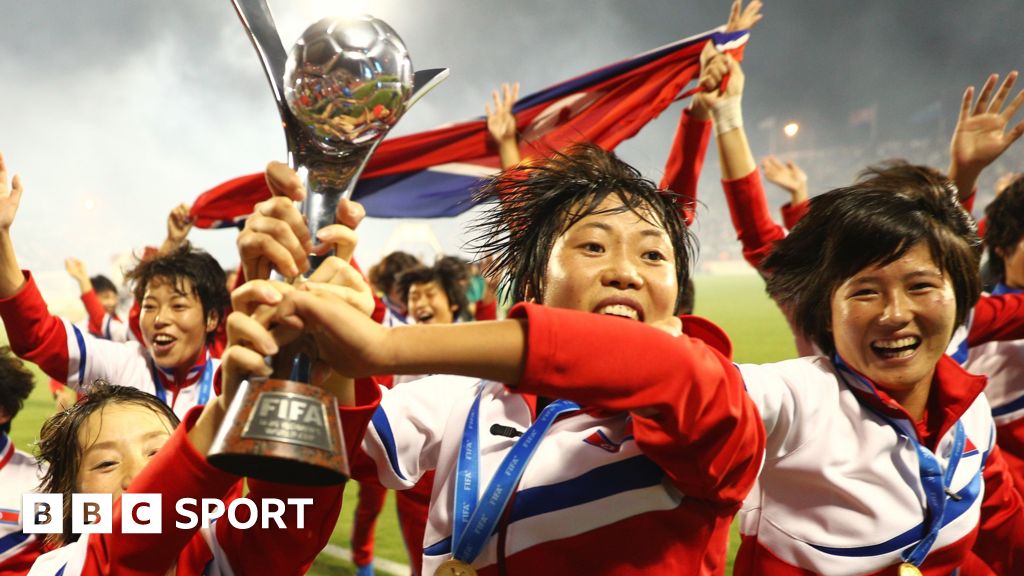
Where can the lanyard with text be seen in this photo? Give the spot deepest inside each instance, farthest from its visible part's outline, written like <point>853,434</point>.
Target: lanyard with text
<point>934,481</point>
<point>475,519</point>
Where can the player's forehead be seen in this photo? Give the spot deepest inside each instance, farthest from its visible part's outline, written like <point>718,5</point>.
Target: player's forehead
<point>167,286</point>
<point>616,211</point>
<point>424,287</point>
<point>117,422</point>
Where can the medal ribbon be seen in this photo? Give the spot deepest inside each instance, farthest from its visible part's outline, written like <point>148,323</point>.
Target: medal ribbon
<point>474,519</point>
<point>1000,289</point>
<point>205,383</point>
<point>934,482</point>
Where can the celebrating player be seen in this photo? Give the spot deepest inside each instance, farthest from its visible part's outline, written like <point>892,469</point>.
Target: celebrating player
<point>183,299</point>
<point>625,428</point>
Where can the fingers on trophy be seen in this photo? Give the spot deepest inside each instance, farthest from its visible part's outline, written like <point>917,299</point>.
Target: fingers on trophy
<point>346,82</point>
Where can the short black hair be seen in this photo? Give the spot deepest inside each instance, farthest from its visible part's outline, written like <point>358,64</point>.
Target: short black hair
<point>444,277</point>
<point>185,262</point>
<point>101,283</point>
<point>534,204</point>
<point>689,297</point>
<point>15,385</point>
<point>457,267</point>
<point>390,267</point>
<point>1005,228</point>
<point>898,175</point>
<point>868,224</point>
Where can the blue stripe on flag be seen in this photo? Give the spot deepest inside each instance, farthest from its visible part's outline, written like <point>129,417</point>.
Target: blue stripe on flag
<point>387,437</point>
<point>423,194</point>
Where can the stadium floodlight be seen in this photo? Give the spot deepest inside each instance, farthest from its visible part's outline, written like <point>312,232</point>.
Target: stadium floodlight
<point>791,129</point>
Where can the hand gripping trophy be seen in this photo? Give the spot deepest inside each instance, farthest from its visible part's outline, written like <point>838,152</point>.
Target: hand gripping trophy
<point>345,83</point>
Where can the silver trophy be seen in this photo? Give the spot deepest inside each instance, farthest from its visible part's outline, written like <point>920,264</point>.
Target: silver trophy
<point>346,82</point>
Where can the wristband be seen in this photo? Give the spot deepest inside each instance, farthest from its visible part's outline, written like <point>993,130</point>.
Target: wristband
<point>727,114</point>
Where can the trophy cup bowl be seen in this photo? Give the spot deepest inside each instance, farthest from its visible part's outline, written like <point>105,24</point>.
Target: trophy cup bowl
<point>347,81</point>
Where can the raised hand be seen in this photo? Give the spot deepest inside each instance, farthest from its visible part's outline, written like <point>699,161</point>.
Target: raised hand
<point>715,67</point>
<point>501,123</point>
<point>275,236</point>
<point>982,132</point>
<point>76,269</point>
<point>10,197</point>
<point>249,337</point>
<point>347,340</point>
<point>179,224</point>
<point>787,176</point>
<point>741,18</point>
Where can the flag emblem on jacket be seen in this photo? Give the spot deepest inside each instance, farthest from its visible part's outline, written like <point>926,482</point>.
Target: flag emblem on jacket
<point>602,441</point>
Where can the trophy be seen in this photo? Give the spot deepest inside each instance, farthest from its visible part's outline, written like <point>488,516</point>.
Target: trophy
<point>345,83</point>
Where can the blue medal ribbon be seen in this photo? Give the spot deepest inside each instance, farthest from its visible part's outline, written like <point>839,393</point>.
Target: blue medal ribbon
<point>934,481</point>
<point>475,519</point>
<point>1000,289</point>
<point>205,383</point>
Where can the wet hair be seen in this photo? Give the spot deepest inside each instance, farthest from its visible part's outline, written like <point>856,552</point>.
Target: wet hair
<point>59,447</point>
<point>444,277</point>
<point>689,297</point>
<point>872,223</point>
<point>534,204</point>
<point>1005,229</point>
<point>101,283</point>
<point>390,267</point>
<point>15,385</point>
<point>197,266</point>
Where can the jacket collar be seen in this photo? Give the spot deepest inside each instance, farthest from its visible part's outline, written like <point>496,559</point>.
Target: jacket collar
<point>953,391</point>
<point>168,380</point>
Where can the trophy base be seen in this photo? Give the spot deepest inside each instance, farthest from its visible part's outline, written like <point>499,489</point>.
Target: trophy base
<point>279,470</point>
<point>282,431</point>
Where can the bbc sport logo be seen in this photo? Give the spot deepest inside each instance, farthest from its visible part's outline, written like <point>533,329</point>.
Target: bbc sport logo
<point>143,513</point>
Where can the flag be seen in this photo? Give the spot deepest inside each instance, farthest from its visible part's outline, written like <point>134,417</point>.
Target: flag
<point>230,203</point>
<point>434,173</point>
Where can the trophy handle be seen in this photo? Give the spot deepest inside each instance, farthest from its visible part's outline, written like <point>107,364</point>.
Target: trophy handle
<point>424,81</point>
<point>260,27</point>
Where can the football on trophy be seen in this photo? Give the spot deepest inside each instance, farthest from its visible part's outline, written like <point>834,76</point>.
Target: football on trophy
<point>347,81</point>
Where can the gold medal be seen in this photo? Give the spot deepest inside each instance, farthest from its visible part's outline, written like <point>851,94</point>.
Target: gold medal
<point>453,567</point>
<point>908,569</point>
